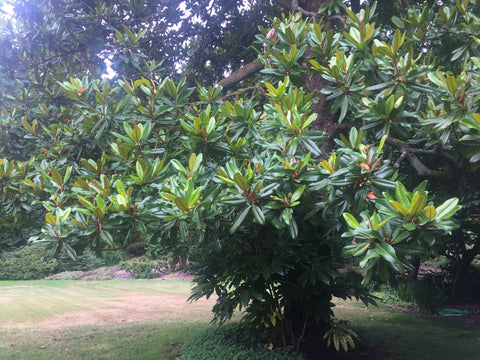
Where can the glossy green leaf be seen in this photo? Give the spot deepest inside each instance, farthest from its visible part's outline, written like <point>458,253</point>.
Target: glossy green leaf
<point>50,219</point>
<point>194,196</point>
<point>71,253</point>
<point>240,181</point>
<point>106,237</point>
<point>56,177</point>
<point>386,251</point>
<point>287,215</point>
<point>351,221</point>
<point>258,214</point>
<point>410,226</point>
<point>140,170</point>
<point>297,194</point>
<point>177,165</point>
<point>64,215</point>
<point>356,249</point>
<point>239,220</point>
<point>120,188</point>
<point>447,209</point>
<point>371,254</point>
<point>181,203</point>
<point>293,227</point>
<point>402,196</point>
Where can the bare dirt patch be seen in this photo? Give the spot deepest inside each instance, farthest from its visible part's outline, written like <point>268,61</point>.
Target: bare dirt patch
<point>130,307</point>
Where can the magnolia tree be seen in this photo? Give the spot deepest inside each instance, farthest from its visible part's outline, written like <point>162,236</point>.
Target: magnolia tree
<point>265,208</point>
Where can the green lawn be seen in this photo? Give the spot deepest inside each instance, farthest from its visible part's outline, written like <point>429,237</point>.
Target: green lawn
<point>27,303</point>
<point>97,320</point>
<point>411,338</point>
<point>143,320</point>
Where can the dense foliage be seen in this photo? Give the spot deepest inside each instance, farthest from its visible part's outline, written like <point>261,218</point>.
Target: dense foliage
<point>264,206</point>
<point>27,264</point>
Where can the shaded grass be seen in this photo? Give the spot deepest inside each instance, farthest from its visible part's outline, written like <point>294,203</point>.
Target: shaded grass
<point>155,341</point>
<point>411,338</point>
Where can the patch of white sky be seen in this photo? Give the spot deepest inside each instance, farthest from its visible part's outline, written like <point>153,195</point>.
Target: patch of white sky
<point>6,9</point>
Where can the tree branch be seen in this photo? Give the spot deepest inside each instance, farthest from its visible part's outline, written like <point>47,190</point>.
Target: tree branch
<point>422,170</point>
<point>296,7</point>
<point>241,74</point>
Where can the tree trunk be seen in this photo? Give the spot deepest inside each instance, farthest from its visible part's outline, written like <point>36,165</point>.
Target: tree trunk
<point>413,275</point>
<point>461,267</point>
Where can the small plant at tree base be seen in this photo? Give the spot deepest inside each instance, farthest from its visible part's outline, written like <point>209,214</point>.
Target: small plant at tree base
<point>341,336</point>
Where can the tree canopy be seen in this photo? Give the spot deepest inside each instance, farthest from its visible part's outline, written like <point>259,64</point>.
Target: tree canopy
<point>203,39</point>
<point>356,141</point>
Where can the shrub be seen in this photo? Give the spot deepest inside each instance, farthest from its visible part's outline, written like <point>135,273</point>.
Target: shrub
<point>423,293</point>
<point>388,295</point>
<point>100,274</point>
<point>142,267</point>
<point>169,260</point>
<point>88,260</point>
<point>66,275</point>
<point>230,342</point>
<point>29,263</point>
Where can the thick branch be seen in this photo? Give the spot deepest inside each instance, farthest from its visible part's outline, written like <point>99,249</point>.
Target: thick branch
<point>241,74</point>
<point>410,154</point>
<point>296,7</point>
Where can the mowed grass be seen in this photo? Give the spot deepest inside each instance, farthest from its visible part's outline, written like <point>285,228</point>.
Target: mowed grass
<point>31,302</point>
<point>97,320</point>
<point>144,320</point>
